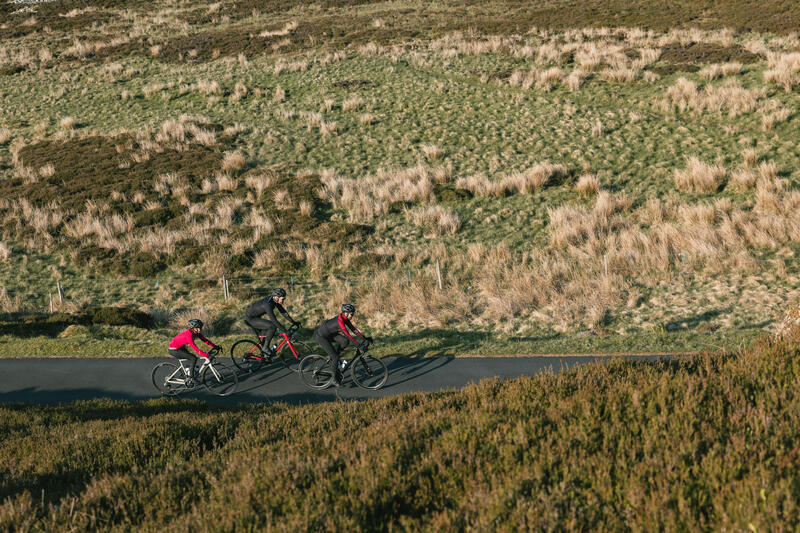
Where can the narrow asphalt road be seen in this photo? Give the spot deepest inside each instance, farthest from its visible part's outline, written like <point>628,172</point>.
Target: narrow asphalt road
<point>53,381</point>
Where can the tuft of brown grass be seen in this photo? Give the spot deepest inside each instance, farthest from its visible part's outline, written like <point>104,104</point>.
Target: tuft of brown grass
<point>67,123</point>
<point>719,70</point>
<point>432,152</point>
<point>587,185</point>
<point>366,198</point>
<point>523,182</point>
<point>686,95</point>
<point>260,182</point>
<point>750,156</point>
<point>306,208</point>
<point>575,79</point>
<point>5,135</point>
<point>233,161</point>
<point>699,176</point>
<point>352,103</point>
<point>436,219</point>
<point>327,128</point>
<point>783,69</point>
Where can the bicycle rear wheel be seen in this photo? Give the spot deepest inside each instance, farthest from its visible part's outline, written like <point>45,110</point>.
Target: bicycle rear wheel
<point>370,372</point>
<point>316,372</point>
<point>220,380</point>
<point>289,360</point>
<point>169,379</point>
<point>247,355</point>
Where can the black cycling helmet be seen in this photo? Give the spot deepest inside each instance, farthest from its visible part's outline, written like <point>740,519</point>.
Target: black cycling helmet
<point>348,308</point>
<point>195,323</point>
<point>278,293</point>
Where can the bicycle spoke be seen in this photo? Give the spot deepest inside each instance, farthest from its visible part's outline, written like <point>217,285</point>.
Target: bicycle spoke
<point>369,372</point>
<point>220,380</point>
<point>247,355</point>
<point>169,379</point>
<point>316,372</point>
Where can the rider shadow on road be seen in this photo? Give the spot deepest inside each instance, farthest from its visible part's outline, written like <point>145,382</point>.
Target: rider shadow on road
<point>403,370</point>
<point>264,376</point>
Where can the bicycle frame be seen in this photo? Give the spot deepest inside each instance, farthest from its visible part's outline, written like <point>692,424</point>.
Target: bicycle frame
<point>287,339</point>
<point>351,362</point>
<point>206,363</point>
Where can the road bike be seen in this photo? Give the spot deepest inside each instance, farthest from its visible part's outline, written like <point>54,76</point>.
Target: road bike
<point>367,372</point>
<point>248,355</point>
<point>172,379</point>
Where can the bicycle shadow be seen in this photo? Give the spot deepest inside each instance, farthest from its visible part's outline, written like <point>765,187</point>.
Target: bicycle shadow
<point>404,369</point>
<point>250,381</point>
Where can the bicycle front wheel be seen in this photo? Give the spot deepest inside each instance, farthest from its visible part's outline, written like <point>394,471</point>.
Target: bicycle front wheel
<point>316,372</point>
<point>370,372</point>
<point>289,360</point>
<point>220,380</point>
<point>247,355</point>
<point>169,379</point>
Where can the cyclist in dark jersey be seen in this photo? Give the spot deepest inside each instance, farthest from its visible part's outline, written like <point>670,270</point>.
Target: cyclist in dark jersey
<point>267,328</point>
<point>333,334</point>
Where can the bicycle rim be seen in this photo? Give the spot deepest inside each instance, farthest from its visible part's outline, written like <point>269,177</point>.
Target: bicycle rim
<point>223,382</point>
<point>370,372</point>
<point>247,355</point>
<point>315,371</point>
<point>168,379</point>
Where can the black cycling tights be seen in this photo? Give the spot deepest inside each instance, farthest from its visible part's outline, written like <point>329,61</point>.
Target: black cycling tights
<point>183,353</point>
<point>264,328</point>
<point>328,345</point>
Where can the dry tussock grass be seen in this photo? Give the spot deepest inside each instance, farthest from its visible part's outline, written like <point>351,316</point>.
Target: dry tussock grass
<point>432,152</point>
<point>699,176</point>
<point>720,70</point>
<point>783,69</point>
<point>587,185</point>
<point>523,182</point>
<point>67,123</point>
<point>366,198</point>
<point>731,97</point>
<point>260,182</point>
<point>5,252</point>
<point>233,161</point>
<point>436,219</point>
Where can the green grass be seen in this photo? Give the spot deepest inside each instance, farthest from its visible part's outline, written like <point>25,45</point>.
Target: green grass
<point>128,341</point>
<point>701,443</point>
<point>419,95</point>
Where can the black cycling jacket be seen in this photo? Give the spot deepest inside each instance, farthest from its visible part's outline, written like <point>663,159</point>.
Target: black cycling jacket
<point>267,307</point>
<point>336,326</point>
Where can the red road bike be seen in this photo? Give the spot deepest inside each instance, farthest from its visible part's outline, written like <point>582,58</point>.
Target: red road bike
<point>249,356</point>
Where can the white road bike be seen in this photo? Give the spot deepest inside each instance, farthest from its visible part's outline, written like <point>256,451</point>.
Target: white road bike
<point>172,379</point>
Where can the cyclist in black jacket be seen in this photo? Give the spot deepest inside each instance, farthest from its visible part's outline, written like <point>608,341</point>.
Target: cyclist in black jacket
<point>267,328</point>
<point>333,333</point>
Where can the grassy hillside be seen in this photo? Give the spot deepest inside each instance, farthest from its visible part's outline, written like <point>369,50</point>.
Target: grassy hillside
<point>628,170</point>
<point>703,443</point>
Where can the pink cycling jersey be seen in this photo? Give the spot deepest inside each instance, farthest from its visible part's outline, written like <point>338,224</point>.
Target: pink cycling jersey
<point>186,338</point>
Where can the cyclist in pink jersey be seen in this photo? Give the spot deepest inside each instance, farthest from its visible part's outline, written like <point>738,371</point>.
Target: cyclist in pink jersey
<point>178,345</point>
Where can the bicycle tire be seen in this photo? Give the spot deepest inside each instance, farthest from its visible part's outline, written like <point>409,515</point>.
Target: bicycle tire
<point>160,376</point>
<point>240,355</point>
<point>315,371</point>
<point>289,360</point>
<point>369,372</point>
<point>223,383</point>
